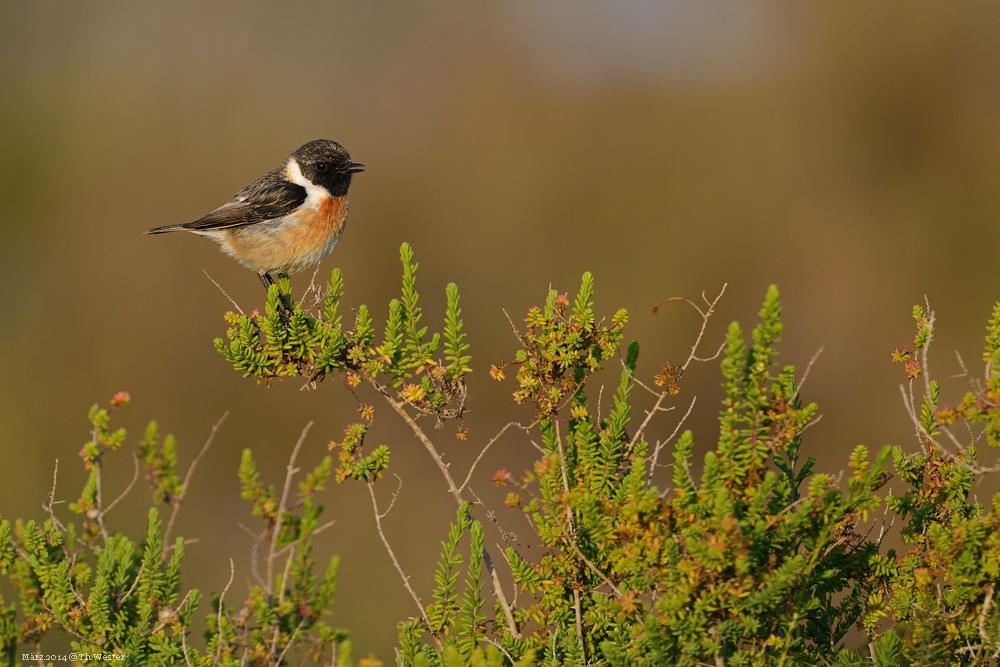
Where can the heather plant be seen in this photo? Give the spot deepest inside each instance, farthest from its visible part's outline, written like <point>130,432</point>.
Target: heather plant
<point>649,554</point>
<point>121,600</point>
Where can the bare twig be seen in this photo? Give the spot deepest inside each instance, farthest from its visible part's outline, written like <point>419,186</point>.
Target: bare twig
<point>704,324</point>
<point>885,528</point>
<point>579,625</point>
<point>395,494</point>
<point>184,648</point>
<point>187,481</point>
<point>52,494</point>
<point>100,496</point>
<point>501,648</point>
<point>705,315</point>
<point>275,535</point>
<point>565,476</point>
<point>50,503</point>
<point>985,611</point>
<point>131,589</point>
<point>805,375</point>
<point>392,555</point>
<point>291,640</point>
<point>924,353</point>
<point>572,536</point>
<point>484,450</point>
<point>329,524</point>
<point>649,417</point>
<point>235,305</point>
<point>135,478</point>
<point>284,575</point>
<point>600,397</point>
<point>218,620</point>
<point>290,471</point>
<point>663,443</point>
<point>922,436</point>
<point>400,409</point>
<point>254,551</point>
<point>596,570</point>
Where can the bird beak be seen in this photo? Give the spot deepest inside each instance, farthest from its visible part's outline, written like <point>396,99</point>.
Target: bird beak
<point>353,168</point>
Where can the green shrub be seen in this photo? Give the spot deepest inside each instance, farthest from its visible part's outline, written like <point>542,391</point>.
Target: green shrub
<point>757,560</point>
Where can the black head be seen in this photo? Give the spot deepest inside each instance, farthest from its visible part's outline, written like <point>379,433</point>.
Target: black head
<point>327,163</point>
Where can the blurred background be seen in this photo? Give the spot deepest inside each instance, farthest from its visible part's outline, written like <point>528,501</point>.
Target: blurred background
<point>849,153</point>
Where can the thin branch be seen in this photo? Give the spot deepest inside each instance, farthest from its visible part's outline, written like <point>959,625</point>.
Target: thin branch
<point>135,478</point>
<point>291,640</point>
<point>290,471</point>
<point>600,397</point>
<point>661,444</point>
<point>190,540</point>
<point>395,494</point>
<point>704,324</point>
<point>705,315</point>
<point>484,450</point>
<point>392,555</point>
<point>565,476</point>
<point>579,625</point>
<point>329,524</point>
<point>924,353</point>
<point>187,480</point>
<point>715,356</point>
<point>100,496</point>
<point>456,494</point>
<point>596,570</point>
<point>805,376</point>
<point>984,611</point>
<point>649,417</point>
<point>218,620</point>
<point>235,305</point>
<point>52,494</point>
<point>50,503</point>
<point>184,648</point>
<point>501,648</point>
<point>284,575</point>
<point>911,410</point>
<point>512,325</point>
<point>572,535</point>
<point>254,554</point>
<point>400,409</point>
<point>135,584</point>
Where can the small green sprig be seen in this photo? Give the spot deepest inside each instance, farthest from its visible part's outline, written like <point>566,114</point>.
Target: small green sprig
<point>313,345</point>
<point>561,348</point>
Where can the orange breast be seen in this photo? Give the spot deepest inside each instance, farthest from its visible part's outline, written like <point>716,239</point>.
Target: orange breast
<point>296,243</point>
<point>320,225</point>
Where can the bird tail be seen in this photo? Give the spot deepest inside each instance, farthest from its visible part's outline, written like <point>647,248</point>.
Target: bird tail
<point>165,229</point>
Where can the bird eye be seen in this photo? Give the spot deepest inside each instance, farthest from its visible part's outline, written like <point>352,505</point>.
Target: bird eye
<point>321,166</point>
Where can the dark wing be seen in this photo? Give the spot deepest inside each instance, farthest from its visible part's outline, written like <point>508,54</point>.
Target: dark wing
<point>267,198</point>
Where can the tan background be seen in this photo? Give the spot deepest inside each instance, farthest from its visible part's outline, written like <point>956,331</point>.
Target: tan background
<point>851,154</point>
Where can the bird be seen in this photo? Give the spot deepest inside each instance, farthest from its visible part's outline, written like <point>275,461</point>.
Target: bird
<point>287,220</point>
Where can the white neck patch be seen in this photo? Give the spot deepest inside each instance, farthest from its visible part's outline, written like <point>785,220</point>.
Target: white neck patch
<point>314,193</point>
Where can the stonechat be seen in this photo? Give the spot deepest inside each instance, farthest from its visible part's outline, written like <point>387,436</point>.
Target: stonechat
<point>287,220</point>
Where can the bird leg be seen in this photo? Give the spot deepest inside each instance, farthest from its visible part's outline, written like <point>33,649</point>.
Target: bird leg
<point>286,311</point>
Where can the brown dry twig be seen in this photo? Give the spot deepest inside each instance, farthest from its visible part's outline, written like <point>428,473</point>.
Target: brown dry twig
<point>400,408</point>
<point>392,554</point>
<point>177,502</point>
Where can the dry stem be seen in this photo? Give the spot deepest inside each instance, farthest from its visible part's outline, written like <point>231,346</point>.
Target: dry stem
<point>187,482</point>
<point>395,561</point>
<point>218,620</point>
<point>290,471</point>
<point>456,493</point>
